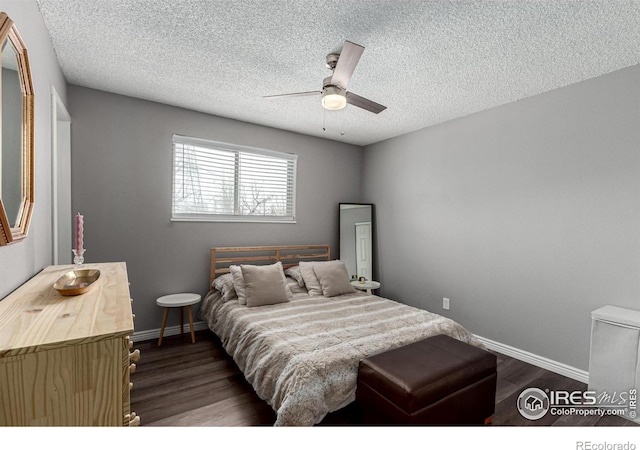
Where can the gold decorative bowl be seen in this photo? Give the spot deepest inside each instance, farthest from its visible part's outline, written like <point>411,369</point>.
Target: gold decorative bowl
<point>77,281</point>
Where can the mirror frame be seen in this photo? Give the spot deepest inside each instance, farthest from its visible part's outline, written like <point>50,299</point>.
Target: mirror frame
<point>374,263</point>
<point>9,234</point>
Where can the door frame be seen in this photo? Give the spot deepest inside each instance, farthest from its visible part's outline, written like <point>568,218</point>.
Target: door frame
<point>59,116</point>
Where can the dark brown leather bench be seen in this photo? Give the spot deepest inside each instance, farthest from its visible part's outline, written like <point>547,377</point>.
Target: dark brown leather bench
<point>437,381</point>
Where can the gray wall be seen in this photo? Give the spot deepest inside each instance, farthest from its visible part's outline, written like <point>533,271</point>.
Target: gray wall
<point>526,216</point>
<point>20,261</point>
<point>121,165</point>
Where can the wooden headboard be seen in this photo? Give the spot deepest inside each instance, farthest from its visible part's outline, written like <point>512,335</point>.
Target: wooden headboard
<point>289,255</point>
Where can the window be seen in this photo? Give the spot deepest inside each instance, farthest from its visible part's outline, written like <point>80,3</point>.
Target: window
<point>214,181</point>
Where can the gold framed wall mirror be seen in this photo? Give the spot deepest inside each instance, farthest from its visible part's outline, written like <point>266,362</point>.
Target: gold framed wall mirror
<point>17,132</point>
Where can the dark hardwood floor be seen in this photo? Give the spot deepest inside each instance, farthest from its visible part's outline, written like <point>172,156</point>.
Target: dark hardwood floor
<point>185,384</point>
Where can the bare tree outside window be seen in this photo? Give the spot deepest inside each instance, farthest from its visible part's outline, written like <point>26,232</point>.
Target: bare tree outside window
<point>217,181</point>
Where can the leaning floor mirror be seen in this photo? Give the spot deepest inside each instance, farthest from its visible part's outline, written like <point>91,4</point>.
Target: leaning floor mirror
<point>356,239</point>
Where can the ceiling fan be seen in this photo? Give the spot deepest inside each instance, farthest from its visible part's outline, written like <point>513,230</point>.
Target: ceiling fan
<point>334,88</point>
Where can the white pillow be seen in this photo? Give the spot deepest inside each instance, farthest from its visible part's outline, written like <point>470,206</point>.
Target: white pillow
<point>334,278</point>
<point>238,284</point>
<point>311,281</point>
<point>265,285</point>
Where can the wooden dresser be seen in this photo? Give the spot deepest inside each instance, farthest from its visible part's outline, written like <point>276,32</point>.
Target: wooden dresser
<point>66,360</point>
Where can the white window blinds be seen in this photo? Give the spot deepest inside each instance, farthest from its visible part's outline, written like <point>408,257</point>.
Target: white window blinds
<point>224,182</point>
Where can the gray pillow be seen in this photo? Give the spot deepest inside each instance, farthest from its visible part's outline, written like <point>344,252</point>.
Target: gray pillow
<point>333,278</point>
<point>310,279</point>
<point>295,273</point>
<point>238,284</point>
<point>224,284</point>
<point>294,287</point>
<point>265,285</point>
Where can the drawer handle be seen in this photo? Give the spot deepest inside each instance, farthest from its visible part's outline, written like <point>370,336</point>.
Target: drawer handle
<point>132,419</point>
<point>130,385</point>
<point>132,368</point>
<point>135,422</point>
<point>134,355</point>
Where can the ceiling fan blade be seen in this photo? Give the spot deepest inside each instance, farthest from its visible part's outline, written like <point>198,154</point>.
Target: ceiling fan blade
<point>364,103</point>
<point>294,94</point>
<point>347,62</point>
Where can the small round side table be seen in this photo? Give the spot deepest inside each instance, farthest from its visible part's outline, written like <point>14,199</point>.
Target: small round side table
<point>368,286</point>
<point>178,301</point>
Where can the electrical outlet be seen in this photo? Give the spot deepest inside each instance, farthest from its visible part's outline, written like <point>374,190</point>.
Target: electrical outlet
<point>445,303</point>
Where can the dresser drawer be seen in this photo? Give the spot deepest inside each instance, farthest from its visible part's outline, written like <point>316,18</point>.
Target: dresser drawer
<point>65,360</point>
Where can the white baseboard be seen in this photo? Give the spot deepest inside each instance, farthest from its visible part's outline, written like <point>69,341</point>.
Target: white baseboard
<point>537,360</point>
<point>168,331</point>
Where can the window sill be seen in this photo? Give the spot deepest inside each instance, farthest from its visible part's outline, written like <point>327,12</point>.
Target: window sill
<point>233,220</point>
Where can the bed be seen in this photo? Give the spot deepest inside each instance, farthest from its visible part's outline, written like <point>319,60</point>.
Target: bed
<point>301,354</point>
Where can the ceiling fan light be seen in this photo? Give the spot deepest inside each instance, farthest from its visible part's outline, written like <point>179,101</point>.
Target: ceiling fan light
<point>333,98</point>
<point>334,102</point>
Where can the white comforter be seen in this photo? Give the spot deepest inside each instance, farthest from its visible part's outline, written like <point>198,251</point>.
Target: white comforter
<point>302,357</point>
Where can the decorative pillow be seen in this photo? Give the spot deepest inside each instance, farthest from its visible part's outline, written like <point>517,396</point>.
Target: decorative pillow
<point>334,278</point>
<point>265,285</point>
<point>294,272</point>
<point>238,284</point>
<point>294,287</point>
<point>224,284</point>
<point>310,279</point>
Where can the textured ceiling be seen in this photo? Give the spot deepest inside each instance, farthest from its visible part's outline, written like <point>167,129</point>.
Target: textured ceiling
<point>427,61</point>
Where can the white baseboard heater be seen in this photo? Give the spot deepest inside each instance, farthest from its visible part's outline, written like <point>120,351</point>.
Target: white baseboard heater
<point>614,363</point>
